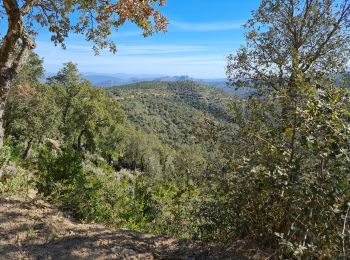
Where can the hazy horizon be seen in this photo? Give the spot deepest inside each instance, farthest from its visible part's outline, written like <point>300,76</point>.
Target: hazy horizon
<point>196,44</point>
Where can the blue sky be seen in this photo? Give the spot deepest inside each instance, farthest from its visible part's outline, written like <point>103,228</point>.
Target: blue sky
<point>201,34</point>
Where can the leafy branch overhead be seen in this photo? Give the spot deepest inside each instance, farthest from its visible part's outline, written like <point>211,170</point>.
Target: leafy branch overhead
<point>94,19</point>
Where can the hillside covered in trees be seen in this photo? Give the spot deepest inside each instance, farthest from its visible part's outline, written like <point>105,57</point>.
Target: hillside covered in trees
<point>173,111</point>
<point>97,153</point>
<point>267,173</point>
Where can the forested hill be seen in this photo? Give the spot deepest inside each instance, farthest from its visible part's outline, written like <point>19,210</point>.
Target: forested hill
<point>173,110</point>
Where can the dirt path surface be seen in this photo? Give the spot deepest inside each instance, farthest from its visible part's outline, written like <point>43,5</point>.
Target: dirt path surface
<point>36,230</point>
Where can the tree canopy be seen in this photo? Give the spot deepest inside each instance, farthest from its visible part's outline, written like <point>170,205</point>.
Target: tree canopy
<point>96,20</point>
<point>288,40</point>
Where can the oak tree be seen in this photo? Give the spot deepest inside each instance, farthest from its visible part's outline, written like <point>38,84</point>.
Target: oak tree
<point>290,45</point>
<point>93,19</point>
<point>86,112</point>
<point>290,152</point>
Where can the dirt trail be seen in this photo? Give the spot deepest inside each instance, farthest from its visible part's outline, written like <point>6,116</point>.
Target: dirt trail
<point>36,230</point>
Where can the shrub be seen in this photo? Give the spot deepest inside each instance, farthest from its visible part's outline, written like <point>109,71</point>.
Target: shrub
<point>293,199</point>
<point>14,180</point>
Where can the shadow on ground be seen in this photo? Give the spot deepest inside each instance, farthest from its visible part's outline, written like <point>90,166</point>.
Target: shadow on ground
<point>36,230</point>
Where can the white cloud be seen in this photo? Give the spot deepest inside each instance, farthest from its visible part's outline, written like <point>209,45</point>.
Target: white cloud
<point>166,59</point>
<point>205,27</point>
<point>156,49</point>
<point>159,49</point>
<point>195,66</point>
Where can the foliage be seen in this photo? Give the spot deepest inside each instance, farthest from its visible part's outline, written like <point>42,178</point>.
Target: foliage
<point>185,160</point>
<point>63,179</point>
<point>132,199</point>
<point>286,182</point>
<point>34,114</point>
<point>32,72</point>
<point>14,180</point>
<point>172,110</point>
<point>31,111</point>
<point>86,111</point>
<point>290,39</point>
<point>298,207</point>
<point>94,20</point>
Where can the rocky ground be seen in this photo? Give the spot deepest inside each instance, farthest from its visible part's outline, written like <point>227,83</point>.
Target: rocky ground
<point>36,230</point>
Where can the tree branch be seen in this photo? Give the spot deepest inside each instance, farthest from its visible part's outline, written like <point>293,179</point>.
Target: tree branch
<point>344,14</point>
<point>28,5</point>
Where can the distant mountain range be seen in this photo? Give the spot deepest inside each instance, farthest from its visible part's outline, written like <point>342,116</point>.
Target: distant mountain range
<point>108,80</point>
<point>120,79</point>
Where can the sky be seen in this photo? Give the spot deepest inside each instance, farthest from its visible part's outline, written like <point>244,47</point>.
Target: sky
<point>200,36</point>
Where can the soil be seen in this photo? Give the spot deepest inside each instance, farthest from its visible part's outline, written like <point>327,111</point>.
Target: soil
<point>37,230</point>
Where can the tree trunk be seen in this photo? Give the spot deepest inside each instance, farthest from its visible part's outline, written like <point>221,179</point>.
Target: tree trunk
<point>7,74</point>
<point>14,51</point>
<point>79,145</point>
<point>28,149</point>
<point>4,87</point>
<point>110,159</point>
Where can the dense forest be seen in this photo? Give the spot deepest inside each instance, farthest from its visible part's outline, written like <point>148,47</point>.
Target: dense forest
<point>174,110</point>
<point>268,168</point>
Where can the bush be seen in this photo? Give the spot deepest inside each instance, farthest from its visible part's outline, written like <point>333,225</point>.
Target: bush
<point>129,199</point>
<point>63,178</point>
<point>294,200</point>
<point>14,180</point>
